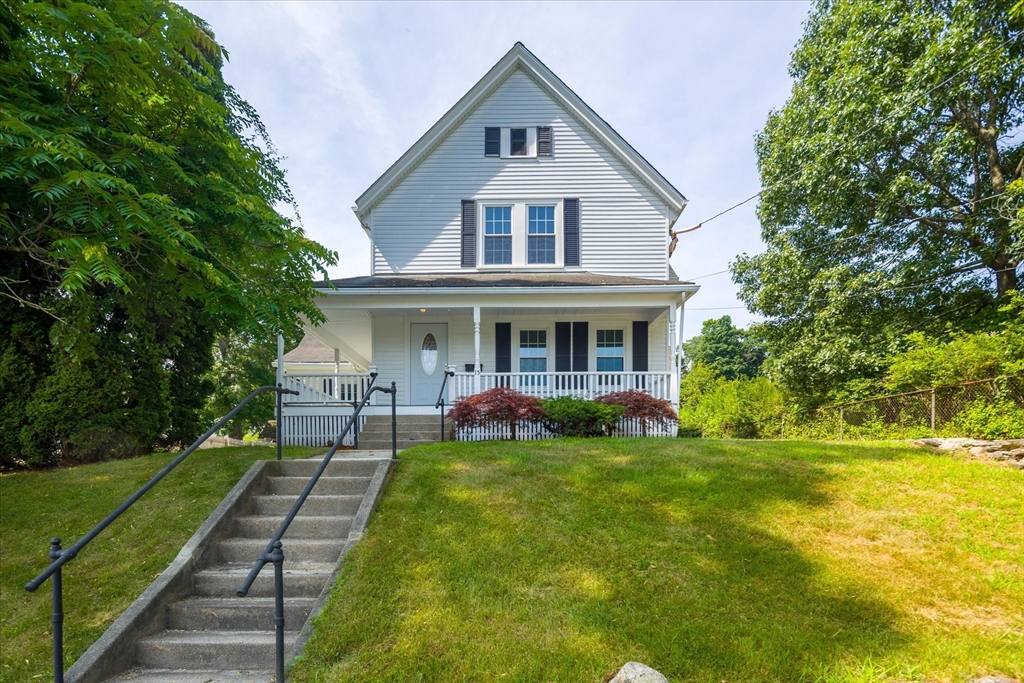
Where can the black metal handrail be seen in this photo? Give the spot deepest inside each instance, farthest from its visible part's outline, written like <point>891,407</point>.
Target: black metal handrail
<point>440,396</point>
<point>60,557</point>
<point>273,553</point>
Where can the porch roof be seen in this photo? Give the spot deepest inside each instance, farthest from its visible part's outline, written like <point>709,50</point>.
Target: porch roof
<point>504,279</point>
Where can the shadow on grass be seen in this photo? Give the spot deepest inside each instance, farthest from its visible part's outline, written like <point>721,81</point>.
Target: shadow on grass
<point>562,560</point>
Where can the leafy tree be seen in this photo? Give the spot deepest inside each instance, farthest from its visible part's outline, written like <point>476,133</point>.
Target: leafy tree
<point>885,208</point>
<point>242,363</point>
<point>138,219</point>
<point>725,349</point>
<point>497,406</point>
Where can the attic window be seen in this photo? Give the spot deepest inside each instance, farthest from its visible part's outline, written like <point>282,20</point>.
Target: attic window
<point>517,142</point>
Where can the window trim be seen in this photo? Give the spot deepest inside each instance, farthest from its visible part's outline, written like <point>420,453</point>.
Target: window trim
<point>520,230</point>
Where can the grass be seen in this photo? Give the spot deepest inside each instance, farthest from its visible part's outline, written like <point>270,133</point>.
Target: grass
<point>709,560</point>
<point>116,567</point>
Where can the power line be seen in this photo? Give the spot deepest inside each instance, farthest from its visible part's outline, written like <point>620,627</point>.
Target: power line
<point>816,247</point>
<point>870,128</point>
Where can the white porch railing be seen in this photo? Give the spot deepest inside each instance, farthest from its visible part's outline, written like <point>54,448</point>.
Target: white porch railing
<point>588,385</point>
<point>326,388</point>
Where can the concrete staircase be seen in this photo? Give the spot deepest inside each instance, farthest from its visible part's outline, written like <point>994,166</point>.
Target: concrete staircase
<point>413,430</point>
<point>213,636</point>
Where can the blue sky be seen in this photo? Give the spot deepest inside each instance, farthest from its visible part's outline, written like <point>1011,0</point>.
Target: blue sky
<point>345,88</point>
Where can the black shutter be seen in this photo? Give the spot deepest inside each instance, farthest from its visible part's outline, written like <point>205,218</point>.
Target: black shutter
<point>563,347</point>
<point>639,346</point>
<point>468,233</point>
<point>503,347</point>
<point>580,345</point>
<point>543,141</point>
<point>492,142</point>
<point>571,228</point>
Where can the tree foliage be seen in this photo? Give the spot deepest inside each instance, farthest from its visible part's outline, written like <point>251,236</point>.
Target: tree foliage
<point>888,204</point>
<point>139,219</point>
<point>728,350</point>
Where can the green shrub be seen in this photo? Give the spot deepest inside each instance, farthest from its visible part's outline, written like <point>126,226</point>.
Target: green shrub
<point>573,416</point>
<point>97,445</point>
<point>981,419</point>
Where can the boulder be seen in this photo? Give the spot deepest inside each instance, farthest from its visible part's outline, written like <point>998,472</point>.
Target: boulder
<point>635,672</point>
<point>1015,454</point>
<point>994,679</point>
<point>952,444</point>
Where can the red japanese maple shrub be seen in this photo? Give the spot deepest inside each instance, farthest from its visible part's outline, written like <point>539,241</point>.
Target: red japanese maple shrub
<point>641,406</point>
<point>499,405</point>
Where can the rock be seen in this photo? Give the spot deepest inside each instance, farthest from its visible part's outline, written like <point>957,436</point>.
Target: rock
<point>972,443</point>
<point>979,450</point>
<point>934,443</point>
<point>1019,464</point>
<point>994,679</point>
<point>952,444</point>
<point>999,455</point>
<point>635,672</point>
<point>1015,454</point>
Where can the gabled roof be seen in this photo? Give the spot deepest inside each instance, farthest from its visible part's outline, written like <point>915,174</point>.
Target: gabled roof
<point>520,58</point>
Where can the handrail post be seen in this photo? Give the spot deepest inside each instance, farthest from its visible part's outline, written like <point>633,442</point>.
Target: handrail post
<point>394,422</point>
<point>277,558</point>
<point>58,613</point>
<point>442,420</point>
<point>280,424</point>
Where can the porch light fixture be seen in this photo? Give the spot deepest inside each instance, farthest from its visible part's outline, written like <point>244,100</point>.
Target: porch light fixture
<point>423,310</point>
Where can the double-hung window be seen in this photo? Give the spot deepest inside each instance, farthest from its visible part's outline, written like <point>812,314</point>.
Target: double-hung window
<point>498,235</point>
<point>533,356</point>
<point>610,351</point>
<point>520,233</point>
<point>540,239</point>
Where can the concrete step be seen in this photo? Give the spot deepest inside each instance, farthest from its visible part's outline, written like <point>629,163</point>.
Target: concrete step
<point>242,550</point>
<point>400,444</point>
<point>426,432</point>
<point>211,649</point>
<point>300,581</point>
<point>236,614</point>
<point>302,526</point>
<point>431,418</point>
<point>338,467</point>
<point>331,506</point>
<point>140,675</point>
<point>326,486</point>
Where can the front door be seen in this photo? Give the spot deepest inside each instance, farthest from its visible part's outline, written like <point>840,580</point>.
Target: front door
<point>429,353</point>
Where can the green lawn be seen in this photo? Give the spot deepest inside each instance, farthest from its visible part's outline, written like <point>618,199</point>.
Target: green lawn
<point>115,568</point>
<point>711,561</point>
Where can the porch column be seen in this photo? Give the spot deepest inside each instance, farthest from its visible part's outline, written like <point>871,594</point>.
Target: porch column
<point>476,349</point>
<point>337,371</point>
<point>672,354</point>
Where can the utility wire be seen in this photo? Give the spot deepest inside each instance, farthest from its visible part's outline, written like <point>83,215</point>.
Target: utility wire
<point>817,247</point>
<point>867,130</point>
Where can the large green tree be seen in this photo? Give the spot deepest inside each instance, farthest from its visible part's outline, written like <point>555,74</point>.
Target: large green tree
<point>725,349</point>
<point>886,207</point>
<point>140,217</point>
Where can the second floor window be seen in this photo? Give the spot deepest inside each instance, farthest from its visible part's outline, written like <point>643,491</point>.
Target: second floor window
<point>540,239</point>
<point>498,235</point>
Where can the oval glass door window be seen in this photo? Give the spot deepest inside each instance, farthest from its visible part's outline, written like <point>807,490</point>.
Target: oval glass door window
<point>428,354</point>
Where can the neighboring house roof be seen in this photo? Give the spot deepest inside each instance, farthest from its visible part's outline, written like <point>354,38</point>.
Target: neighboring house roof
<point>520,58</point>
<point>310,350</point>
<point>538,280</point>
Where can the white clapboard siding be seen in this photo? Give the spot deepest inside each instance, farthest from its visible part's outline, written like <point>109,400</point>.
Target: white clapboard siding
<point>416,228</point>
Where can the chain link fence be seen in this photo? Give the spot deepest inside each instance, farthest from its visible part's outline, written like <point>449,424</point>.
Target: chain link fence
<point>989,408</point>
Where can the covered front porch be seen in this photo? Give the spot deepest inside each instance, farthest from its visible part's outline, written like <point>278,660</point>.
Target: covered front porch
<point>544,341</point>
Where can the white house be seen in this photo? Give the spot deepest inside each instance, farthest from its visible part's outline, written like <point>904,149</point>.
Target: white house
<point>520,242</point>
